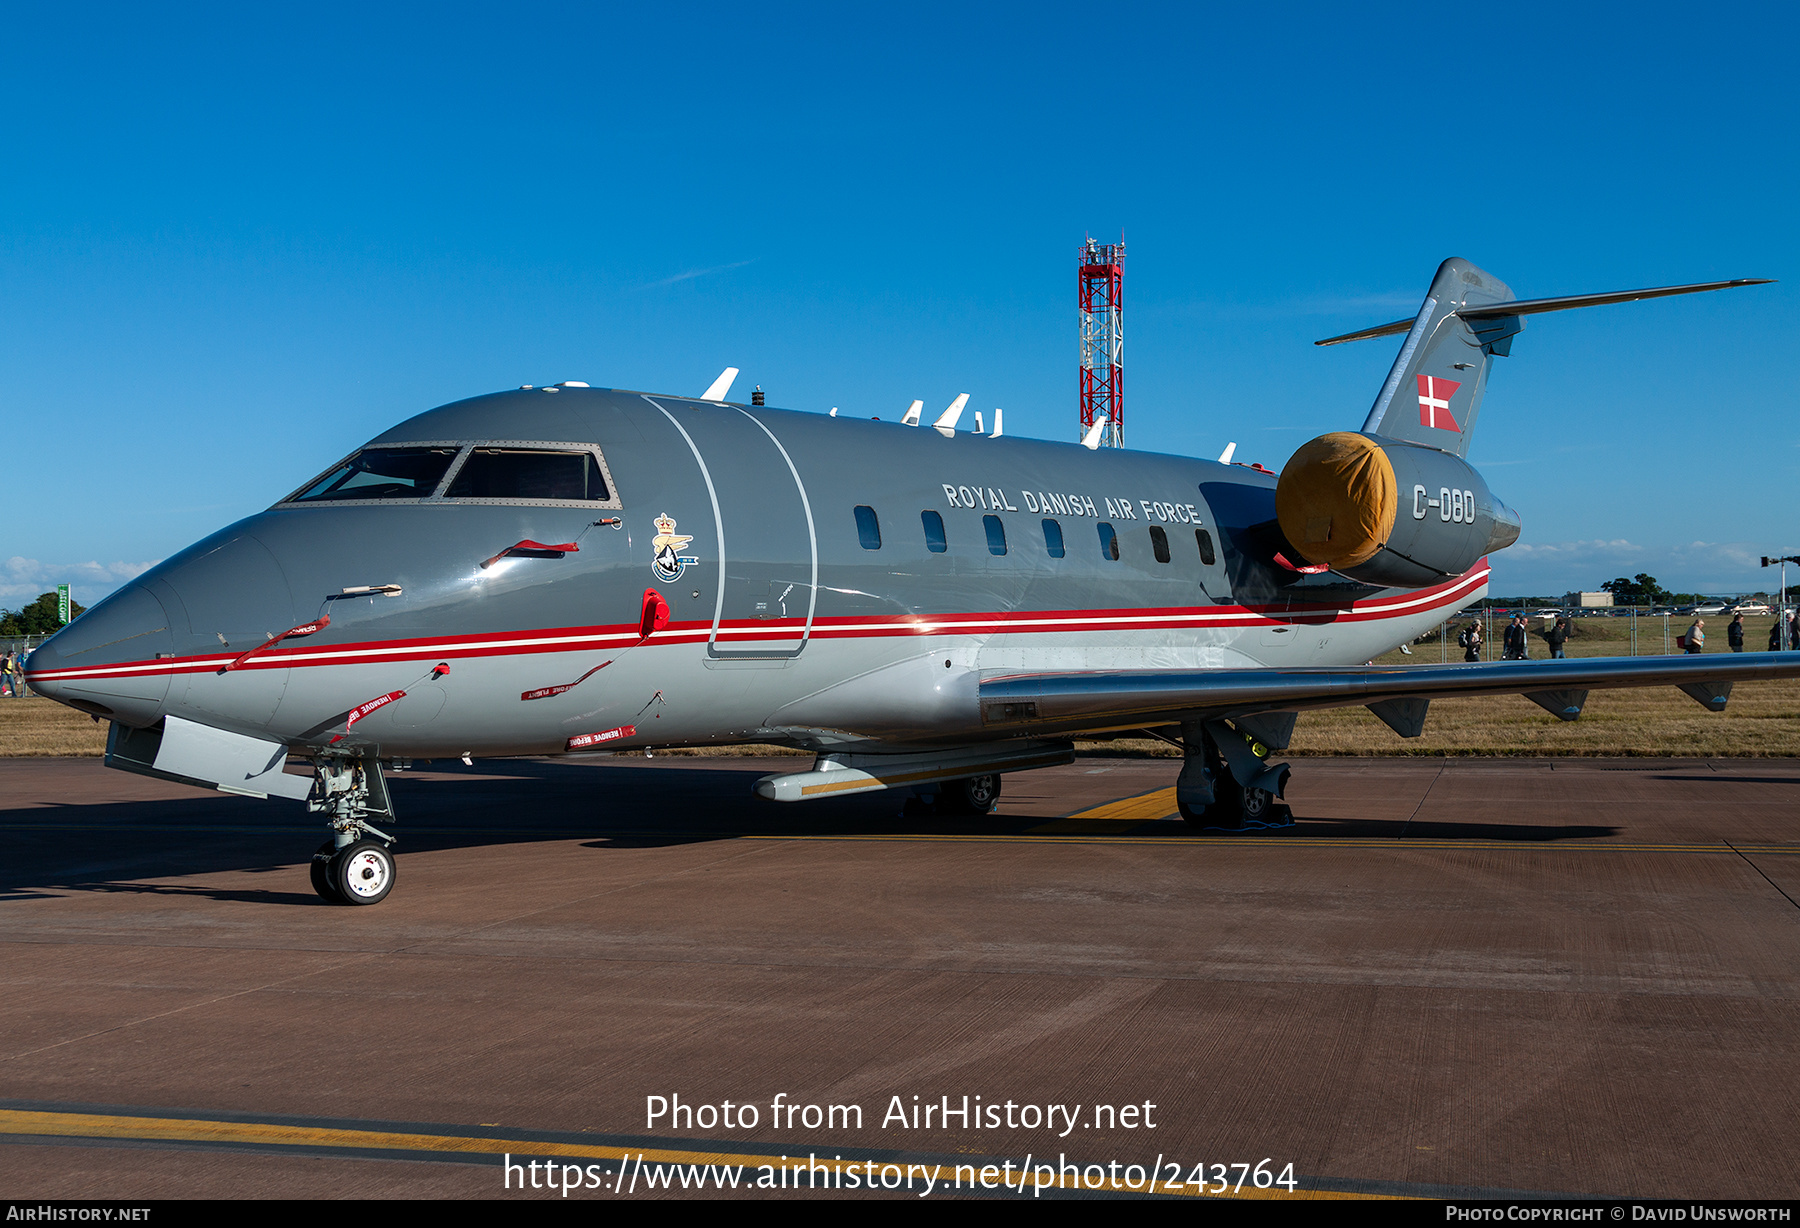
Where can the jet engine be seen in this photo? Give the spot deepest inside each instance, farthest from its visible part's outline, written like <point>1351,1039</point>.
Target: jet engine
<point>1388,512</point>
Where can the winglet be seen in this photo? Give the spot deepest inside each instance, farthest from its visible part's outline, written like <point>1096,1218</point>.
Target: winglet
<point>912,414</point>
<point>946,423</point>
<point>719,387</point>
<point>1091,440</point>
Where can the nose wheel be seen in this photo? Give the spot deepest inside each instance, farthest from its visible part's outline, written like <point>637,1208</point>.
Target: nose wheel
<point>359,873</point>
<point>363,873</point>
<point>321,873</point>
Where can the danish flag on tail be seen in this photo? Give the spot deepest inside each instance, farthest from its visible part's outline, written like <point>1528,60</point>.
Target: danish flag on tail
<point>1434,402</point>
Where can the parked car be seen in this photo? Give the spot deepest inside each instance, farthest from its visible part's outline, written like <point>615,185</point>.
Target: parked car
<point>1751,607</point>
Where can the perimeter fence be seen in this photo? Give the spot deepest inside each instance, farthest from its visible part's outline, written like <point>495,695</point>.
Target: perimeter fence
<point>1617,631</point>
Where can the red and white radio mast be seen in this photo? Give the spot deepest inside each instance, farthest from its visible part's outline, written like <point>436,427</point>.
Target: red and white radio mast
<point>1103,340</point>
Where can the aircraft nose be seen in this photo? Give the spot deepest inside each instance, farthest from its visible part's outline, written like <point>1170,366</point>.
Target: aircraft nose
<point>112,661</point>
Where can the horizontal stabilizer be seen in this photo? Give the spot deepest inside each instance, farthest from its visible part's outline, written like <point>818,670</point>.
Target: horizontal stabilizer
<point>1432,395</point>
<point>1533,306</point>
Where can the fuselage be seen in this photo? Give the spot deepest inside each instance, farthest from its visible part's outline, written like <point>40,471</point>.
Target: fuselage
<point>829,581</point>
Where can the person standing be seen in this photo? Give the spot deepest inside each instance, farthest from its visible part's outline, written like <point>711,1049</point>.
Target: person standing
<point>1696,636</point>
<point>6,682</point>
<point>1515,639</point>
<point>1556,637</point>
<point>1472,642</point>
<point>1734,634</point>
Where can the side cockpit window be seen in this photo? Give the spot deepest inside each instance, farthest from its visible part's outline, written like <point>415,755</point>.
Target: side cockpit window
<point>381,473</point>
<point>530,473</point>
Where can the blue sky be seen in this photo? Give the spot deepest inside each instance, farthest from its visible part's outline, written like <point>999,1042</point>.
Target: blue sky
<point>236,242</point>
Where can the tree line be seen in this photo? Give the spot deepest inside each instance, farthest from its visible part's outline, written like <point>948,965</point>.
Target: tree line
<point>37,618</point>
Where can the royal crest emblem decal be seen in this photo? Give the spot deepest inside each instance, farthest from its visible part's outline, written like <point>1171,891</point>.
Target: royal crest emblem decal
<point>665,562</point>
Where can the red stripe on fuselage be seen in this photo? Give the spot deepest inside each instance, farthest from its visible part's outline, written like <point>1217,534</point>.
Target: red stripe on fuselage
<point>1017,622</point>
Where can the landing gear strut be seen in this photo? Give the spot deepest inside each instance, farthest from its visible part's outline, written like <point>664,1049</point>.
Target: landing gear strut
<point>1225,782</point>
<point>355,866</point>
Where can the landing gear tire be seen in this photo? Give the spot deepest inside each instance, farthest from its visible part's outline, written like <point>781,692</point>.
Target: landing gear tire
<point>1256,806</point>
<point>363,873</point>
<point>1193,814</point>
<point>321,873</point>
<point>976,795</point>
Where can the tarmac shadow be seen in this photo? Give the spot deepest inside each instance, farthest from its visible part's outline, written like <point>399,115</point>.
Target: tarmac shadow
<point>1415,829</point>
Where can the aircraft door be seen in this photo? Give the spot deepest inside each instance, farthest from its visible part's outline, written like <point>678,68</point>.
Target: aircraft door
<point>769,563</point>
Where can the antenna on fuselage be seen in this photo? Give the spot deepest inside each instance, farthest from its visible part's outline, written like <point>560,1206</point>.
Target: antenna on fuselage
<point>912,414</point>
<point>998,429</point>
<point>946,423</point>
<point>1091,440</point>
<point>1225,456</point>
<point>720,386</point>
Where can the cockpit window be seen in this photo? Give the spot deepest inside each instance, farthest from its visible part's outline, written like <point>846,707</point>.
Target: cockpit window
<point>381,473</point>
<point>522,473</point>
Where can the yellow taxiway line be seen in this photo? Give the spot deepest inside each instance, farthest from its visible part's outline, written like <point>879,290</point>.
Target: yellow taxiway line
<point>40,1123</point>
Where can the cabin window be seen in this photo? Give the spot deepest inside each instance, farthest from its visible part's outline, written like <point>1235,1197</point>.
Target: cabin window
<point>868,528</point>
<point>381,473</point>
<point>1053,539</point>
<point>934,532</point>
<point>996,534</point>
<point>1109,542</point>
<point>526,473</point>
<point>1159,542</point>
<point>1206,547</point>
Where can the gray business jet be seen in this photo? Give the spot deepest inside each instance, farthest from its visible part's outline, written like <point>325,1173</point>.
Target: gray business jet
<point>564,569</point>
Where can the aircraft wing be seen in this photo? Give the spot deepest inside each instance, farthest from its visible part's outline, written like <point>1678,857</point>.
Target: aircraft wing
<point>1107,700</point>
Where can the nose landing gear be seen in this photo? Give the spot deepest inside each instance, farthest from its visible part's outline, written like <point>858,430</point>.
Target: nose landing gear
<point>355,866</point>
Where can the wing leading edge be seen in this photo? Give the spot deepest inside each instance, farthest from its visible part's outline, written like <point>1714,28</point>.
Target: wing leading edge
<point>1077,702</point>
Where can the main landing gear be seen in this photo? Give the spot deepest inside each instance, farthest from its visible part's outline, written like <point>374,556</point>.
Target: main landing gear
<point>355,866</point>
<point>1225,782</point>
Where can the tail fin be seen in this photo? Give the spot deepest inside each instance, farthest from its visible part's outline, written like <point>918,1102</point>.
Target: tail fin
<point>1468,317</point>
<point>1433,394</point>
